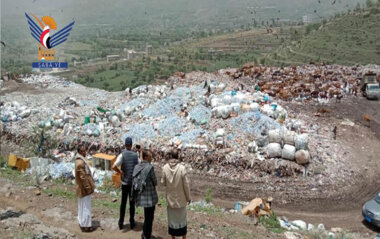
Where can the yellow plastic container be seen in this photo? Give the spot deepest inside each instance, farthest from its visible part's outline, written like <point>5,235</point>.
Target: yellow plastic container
<point>20,163</point>
<point>23,164</point>
<point>12,160</point>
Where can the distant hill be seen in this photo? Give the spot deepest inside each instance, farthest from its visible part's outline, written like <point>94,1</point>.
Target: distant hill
<point>349,39</point>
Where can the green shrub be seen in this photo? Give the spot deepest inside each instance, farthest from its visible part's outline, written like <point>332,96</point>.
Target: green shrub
<point>3,161</point>
<point>208,195</point>
<point>271,223</point>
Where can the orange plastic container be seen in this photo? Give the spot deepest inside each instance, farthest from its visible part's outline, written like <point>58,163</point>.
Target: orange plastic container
<point>116,179</point>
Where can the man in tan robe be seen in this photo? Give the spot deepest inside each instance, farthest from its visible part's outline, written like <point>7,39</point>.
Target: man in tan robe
<point>85,186</point>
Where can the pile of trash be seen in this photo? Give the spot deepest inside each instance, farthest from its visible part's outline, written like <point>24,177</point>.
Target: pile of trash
<point>304,83</point>
<point>44,168</point>
<point>288,145</point>
<point>13,111</point>
<point>166,116</point>
<point>143,90</point>
<point>225,123</point>
<point>300,225</point>
<point>46,80</point>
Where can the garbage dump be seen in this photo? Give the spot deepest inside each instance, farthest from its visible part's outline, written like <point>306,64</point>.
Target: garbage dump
<point>222,128</point>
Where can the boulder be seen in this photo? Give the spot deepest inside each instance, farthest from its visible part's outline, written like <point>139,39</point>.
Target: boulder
<point>302,157</point>
<point>274,150</point>
<point>288,152</point>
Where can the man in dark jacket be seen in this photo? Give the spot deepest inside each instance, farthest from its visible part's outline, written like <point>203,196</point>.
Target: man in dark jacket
<point>127,160</point>
<point>147,194</point>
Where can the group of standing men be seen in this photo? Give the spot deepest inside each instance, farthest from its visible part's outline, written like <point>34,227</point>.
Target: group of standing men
<point>139,185</point>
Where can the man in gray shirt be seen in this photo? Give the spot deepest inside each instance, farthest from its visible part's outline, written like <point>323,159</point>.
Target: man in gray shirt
<point>127,160</point>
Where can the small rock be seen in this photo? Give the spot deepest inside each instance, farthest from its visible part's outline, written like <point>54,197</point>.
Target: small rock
<point>37,193</point>
<point>8,194</point>
<point>114,200</point>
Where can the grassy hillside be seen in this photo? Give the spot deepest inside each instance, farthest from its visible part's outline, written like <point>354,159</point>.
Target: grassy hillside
<point>106,27</point>
<point>349,39</point>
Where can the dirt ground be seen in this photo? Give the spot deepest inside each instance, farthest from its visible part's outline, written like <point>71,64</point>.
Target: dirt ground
<point>60,212</point>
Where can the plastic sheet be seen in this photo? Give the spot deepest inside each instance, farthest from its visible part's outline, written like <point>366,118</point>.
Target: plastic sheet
<point>38,166</point>
<point>100,176</point>
<point>61,170</point>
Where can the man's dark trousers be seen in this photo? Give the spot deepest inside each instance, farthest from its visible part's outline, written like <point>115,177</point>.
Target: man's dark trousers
<point>125,193</point>
<point>148,222</point>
